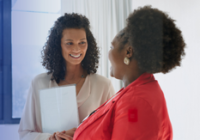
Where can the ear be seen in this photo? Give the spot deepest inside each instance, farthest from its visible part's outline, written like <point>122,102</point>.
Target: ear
<point>129,51</point>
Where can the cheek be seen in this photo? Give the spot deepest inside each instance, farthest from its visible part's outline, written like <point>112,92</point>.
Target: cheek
<point>112,61</point>
<point>116,64</point>
<point>110,56</point>
<point>113,57</point>
<point>84,50</point>
<point>65,50</point>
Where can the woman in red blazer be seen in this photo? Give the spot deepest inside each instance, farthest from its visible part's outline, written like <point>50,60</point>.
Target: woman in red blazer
<point>149,44</point>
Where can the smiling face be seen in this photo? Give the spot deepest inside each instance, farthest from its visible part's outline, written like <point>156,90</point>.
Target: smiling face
<point>74,45</point>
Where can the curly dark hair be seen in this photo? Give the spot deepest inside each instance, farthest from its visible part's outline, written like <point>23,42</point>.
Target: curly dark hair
<point>52,57</point>
<point>157,43</point>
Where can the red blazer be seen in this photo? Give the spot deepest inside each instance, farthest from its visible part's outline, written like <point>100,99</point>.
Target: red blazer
<point>138,112</point>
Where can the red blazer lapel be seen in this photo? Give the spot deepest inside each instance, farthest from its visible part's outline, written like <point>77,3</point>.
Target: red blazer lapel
<point>102,110</point>
<point>92,118</point>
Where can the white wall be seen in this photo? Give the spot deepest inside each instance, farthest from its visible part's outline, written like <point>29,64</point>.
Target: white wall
<point>181,85</point>
<point>9,132</point>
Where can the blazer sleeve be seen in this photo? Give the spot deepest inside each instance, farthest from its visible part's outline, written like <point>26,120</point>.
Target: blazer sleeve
<point>134,119</point>
<point>27,127</point>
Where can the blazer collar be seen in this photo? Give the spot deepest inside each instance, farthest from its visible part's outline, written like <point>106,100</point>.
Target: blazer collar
<point>141,80</point>
<point>103,109</point>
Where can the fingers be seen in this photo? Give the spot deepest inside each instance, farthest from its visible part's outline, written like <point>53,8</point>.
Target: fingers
<point>58,138</point>
<point>67,135</point>
<point>69,132</point>
<point>63,131</point>
<point>64,136</point>
<point>73,128</point>
<point>52,137</point>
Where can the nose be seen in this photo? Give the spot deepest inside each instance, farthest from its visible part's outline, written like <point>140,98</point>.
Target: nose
<point>76,48</point>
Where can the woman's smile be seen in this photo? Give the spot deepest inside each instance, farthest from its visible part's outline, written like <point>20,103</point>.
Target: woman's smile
<point>75,56</point>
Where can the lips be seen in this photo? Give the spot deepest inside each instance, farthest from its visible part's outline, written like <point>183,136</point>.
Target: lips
<point>75,56</point>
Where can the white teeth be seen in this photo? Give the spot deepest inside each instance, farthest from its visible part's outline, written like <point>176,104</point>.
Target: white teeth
<point>76,56</point>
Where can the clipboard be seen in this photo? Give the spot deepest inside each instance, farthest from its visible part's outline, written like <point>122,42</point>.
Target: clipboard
<point>58,107</point>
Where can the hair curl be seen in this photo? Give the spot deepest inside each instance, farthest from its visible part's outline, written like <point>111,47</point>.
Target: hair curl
<point>52,57</point>
<point>157,43</point>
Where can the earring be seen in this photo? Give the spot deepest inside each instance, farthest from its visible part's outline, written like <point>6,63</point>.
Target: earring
<point>126,61</point>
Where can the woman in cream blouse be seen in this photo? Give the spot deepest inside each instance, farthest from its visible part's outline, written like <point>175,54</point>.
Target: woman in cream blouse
<point>71,56</point>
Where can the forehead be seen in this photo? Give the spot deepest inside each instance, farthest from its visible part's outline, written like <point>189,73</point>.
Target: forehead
<point>121,33</point>
<point>74,33</point>
<point>119,37</point>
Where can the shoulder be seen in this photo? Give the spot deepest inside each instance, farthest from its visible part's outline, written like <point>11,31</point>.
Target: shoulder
<point>101,86</point>
<point>42,78</point>
<point>131,96</point>
<point>142,99</point>
<point>99,82</point>
<point>127,103</point>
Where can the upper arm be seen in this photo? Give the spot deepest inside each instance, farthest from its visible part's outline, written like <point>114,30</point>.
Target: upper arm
<point>27,122</point>
<point>28,129</point>
<point>135,119</point>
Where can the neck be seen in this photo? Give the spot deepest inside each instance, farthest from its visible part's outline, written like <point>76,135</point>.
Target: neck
<point>129,79</point>
<point>131,74</point>
<point>73,72</point>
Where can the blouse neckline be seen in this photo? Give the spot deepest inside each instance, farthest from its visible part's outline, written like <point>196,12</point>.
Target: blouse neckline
<point>84,92</point>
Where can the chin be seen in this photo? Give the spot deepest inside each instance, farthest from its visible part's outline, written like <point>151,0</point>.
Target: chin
<point>75,63</point>
<point>111,74</point>
<point>115,76</point>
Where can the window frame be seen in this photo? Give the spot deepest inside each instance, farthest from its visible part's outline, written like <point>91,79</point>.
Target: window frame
<point>6,64</point>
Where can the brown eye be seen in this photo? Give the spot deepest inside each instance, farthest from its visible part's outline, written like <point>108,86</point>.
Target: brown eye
<point>69,43</point>
<point>82,42</point>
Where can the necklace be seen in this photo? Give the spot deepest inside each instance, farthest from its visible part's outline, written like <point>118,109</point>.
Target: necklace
<point>82,76</point>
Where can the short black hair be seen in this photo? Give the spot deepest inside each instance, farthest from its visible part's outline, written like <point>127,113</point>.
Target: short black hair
<point>157,43</point>
<point>52,57</point>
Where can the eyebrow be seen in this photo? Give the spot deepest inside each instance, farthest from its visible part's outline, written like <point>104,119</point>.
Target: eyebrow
<point>83,39</point>
<point>72,40</point>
